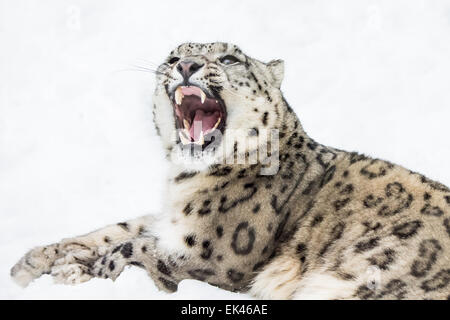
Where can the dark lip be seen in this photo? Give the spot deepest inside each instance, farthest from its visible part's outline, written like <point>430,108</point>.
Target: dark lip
<point>211,94</point>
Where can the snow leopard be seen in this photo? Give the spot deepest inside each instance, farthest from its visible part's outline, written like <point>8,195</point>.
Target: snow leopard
<point>253,204</point>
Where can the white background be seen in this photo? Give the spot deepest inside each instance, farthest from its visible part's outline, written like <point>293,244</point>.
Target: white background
<point>77,145</point>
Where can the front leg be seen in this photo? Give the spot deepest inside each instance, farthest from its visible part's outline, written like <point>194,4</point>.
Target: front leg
<point>141,252</point>
<point>70,260</point>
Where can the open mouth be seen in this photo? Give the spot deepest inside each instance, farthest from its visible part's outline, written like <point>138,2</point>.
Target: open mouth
<point>200,117</point>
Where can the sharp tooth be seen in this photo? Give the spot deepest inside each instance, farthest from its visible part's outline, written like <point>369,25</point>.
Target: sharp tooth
<point>217,101</point>
<point>202,96</point>
<point>217,124</point>
<point>183,138</point>
<point>201,140</point>
<point>178,96</point>
<point>186,124</point>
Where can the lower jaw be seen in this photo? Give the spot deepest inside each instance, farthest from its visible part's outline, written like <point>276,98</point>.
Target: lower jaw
<point>211,142</point>
<point>194,148</point>
<point>206,141</point>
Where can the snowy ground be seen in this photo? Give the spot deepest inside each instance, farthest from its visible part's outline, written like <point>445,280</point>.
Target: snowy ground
<point>77,146</point>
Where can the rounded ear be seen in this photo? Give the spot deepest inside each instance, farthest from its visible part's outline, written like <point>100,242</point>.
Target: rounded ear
<point>276,68</point>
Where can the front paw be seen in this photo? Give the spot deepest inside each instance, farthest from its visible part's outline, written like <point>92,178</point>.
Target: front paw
<point>110,266</point>
<point>72,273</point>
<point>76,264</point>
<point>34,263</point>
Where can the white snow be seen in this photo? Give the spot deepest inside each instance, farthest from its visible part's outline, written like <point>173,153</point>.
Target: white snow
<point>77,145</point>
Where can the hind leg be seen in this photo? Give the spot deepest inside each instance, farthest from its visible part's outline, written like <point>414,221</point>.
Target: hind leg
<point>279,279</point>
<point>282,278</point>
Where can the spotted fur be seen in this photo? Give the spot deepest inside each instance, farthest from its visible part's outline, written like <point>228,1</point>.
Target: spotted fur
<point>327,224</point>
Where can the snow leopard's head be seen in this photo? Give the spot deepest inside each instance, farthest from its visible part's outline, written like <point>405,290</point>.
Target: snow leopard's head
<point>211,101</point>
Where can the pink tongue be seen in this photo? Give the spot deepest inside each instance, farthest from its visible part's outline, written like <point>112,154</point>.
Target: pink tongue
<point>202,122</point>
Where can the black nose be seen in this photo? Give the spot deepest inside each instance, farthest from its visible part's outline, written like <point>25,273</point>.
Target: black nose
<point>188,68</point>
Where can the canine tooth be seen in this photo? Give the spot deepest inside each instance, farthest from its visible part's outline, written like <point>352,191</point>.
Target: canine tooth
<point>217,101</point>
<point>217,124</point>
<point>201,140</point>
<point>202,96</point>
<point>183,138</point>
<point>178,96</point>
<point>186,124</point>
